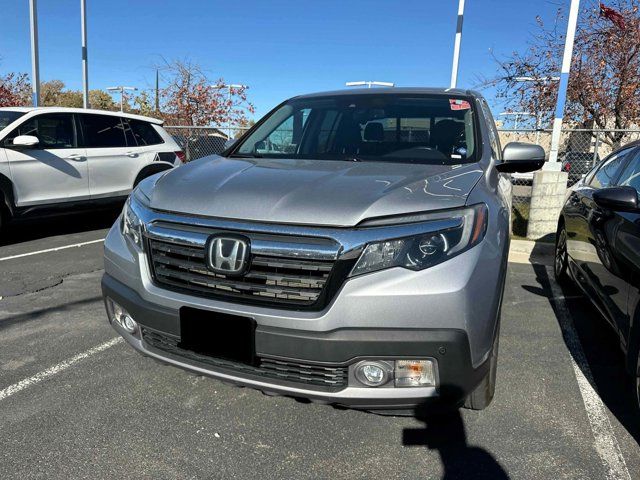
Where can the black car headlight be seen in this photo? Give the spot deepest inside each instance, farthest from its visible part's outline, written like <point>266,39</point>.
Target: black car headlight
<point>132,226</point>
<point>421,251</point>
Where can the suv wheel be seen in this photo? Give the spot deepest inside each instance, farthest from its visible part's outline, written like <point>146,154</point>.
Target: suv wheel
<point>560,260</point>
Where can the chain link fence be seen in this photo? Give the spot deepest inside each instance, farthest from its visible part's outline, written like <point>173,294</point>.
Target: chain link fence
<point>197,142</point>
<point>580,150</point>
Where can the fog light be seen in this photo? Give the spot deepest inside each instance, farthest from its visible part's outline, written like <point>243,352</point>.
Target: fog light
<point>415,373</point>
<point>372,374</point>
<point>129,324</point>
<point>121,316</point>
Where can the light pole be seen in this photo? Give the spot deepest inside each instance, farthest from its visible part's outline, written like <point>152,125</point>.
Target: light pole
<point>562,88</point>
<point>121,89</point>
<point>230,88</point>
<point>370,83</point>
<point>35,60</point>
<point>456,45</point>
<point>85,66</point>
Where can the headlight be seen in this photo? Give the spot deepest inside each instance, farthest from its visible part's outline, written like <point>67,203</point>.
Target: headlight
<point>132,226</point>
<point>425,250</point>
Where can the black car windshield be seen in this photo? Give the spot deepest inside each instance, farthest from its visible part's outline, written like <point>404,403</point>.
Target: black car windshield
<point>411,128</point>
<point>8,116</point>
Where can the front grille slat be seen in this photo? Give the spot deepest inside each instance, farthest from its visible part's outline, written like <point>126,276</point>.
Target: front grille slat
<point>224,283</point>
<point>323,377</point>
<point>294,281</point>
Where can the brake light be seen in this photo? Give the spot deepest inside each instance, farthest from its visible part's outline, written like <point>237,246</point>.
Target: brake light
<point>567,167</point>
<point>181,156</point>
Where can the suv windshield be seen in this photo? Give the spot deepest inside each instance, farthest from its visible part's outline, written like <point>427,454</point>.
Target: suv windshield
<point>413,128</point>
<point>8,116</point>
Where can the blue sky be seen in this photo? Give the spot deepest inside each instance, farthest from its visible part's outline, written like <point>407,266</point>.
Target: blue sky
<point>279,47</point>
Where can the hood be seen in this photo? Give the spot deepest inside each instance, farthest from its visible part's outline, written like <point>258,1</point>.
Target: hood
<point>314,192</point>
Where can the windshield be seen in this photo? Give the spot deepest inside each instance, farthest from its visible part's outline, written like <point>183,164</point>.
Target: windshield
<point>408,128</point>
<point>8,116</point>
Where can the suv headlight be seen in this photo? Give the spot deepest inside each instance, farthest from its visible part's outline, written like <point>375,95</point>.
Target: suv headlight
<point>426,250</point>
<point>132,226</point>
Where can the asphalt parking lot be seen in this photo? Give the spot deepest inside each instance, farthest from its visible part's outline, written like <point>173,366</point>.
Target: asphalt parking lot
<point>77,403</point>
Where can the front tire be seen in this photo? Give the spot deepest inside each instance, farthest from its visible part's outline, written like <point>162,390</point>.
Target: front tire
<point>561,257</point>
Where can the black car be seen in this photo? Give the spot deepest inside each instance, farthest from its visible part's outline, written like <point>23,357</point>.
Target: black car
<point>598,245</point>
<point>576,164</point>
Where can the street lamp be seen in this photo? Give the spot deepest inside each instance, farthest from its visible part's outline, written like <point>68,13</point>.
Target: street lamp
<point>121,89</point>
<point>229,88</point>
<point>369,83</point>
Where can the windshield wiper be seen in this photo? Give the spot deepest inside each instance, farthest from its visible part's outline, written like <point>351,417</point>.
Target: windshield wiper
<point>245,155</point>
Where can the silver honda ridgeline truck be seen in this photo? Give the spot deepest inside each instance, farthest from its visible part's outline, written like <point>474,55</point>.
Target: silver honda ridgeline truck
<point>351,248</point>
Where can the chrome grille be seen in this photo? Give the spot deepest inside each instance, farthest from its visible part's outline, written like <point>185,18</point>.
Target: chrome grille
<point>323,377</point>
<point>294,281</point>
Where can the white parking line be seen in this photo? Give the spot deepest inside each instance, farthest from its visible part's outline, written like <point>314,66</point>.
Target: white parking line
<point>606,443</point>
<point>64,247</point>
<point>39,377</point>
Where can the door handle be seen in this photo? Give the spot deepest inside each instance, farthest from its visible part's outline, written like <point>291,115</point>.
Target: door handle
<point>131,154</point>
<point>77,157</point>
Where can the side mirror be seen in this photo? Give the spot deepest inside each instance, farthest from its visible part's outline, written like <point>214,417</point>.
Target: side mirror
<point>25,141</point>
<point>230,143</point>
<point>521,157</point>
<point>621,199</point>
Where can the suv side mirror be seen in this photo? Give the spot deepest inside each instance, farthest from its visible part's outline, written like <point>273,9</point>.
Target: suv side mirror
<point>24,141</point>
<point>521,157</point>
<point>621,199</point>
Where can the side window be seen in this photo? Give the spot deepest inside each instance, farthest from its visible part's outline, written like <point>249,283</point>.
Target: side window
<point>128,133</point>
<point>103,131</point>
<point>609,170</point>
<point>631,174</point>
<point>285,138</point>
<point>144,133</point>
<point>54,130</point>
<point>280,140</point>
<point>493,133</point>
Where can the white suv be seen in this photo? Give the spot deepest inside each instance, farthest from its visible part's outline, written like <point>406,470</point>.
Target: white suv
<point>54,157</point>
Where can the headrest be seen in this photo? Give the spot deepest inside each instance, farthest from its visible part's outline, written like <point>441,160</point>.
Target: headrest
<point>373,132</point>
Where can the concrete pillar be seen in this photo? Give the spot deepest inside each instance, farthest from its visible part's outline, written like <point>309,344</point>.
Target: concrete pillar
<point>547,199</point>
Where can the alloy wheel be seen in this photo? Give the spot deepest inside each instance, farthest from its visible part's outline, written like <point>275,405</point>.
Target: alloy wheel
<point>560,259</point>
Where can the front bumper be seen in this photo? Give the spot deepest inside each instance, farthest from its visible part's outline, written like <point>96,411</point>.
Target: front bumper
<point>340,347</point>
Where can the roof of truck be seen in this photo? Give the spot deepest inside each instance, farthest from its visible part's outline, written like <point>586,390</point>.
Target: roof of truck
<point>394,90</point>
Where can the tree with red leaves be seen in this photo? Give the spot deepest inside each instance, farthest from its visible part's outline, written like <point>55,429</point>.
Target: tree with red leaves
<point>604,84</point>
<point>191,99</point>
<point>613,15</point>
<point>15,90</point>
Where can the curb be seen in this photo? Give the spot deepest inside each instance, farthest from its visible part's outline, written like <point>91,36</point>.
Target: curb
<point>526,251</point>
<point>528,247</point>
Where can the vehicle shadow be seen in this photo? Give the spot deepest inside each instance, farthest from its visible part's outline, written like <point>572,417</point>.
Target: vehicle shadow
<point>24,230</point>
<point>445,433</point>
<point>605,365</point>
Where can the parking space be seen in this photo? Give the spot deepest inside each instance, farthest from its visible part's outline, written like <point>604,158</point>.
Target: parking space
<point>76,403</point>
